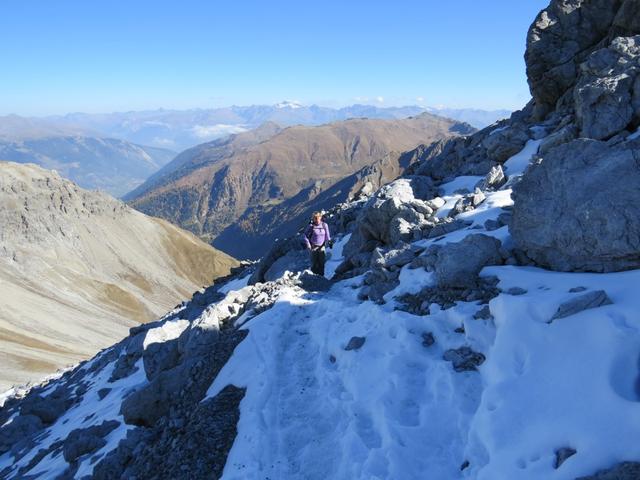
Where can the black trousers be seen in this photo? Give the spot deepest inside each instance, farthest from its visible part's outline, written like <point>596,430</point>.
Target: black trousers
<point>318,258</point>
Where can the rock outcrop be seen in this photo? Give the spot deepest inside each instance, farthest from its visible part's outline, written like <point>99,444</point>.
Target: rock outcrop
<point>578,209</point>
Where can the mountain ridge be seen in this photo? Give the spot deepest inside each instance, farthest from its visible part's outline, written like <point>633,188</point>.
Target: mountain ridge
<point>230,188</point>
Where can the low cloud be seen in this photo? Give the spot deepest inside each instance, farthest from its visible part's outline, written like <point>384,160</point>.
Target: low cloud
<point>218,130</point>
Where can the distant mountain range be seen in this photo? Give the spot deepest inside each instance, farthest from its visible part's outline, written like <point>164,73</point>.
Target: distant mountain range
<point>242,192</point>
<point>116,152</point>
<point>181,129</point>
<point>85,156</point>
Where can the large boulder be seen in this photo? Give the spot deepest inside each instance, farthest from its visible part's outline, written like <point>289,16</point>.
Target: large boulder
<point>560,38</point>
<point>578,208</point>
<point>457,265</point>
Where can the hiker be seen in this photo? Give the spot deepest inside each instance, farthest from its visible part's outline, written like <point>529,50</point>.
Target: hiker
<point>316,237</point>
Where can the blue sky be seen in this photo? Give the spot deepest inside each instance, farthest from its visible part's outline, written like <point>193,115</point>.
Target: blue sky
<point>102,56</point>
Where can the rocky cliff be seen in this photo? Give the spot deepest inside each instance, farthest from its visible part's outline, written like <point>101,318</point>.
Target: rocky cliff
<point>480,321</point>
<point>78,268</point>
<point>241,194</point>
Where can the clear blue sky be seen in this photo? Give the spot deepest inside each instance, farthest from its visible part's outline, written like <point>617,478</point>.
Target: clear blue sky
<point>60,56</point>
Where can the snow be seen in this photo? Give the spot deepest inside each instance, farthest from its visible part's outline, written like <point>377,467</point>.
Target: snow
<point>169,330</point>
<point>335,256</point>
<point>571,383</point>
<point>463,182</point>
<point>517,164</point>
<point>392,409</point>
<point>90,411</point>
<point>235,284</point>
<point>497,130</point>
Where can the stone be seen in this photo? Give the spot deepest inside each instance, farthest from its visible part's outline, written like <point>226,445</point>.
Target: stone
<point>493,180</point>
<point>20,428</point>
<point>160,356</point>
<point>504,144</point>
<point>562,454</point>
<point>583,302</point>
<point>312,283</point>
<point>483,314</point>
<point>621,471</point>
<point>578,209</point>
<point>355,343</point>
<point>458,264</point>
<point>603,104</point>
<point>103,392</point>
<point>428,339</point>
<point>577,289</point>
<point>464,359</point>
<point>86,440</point>
<point>47,409</point>
<point>561,37</point>
<point>516,291</point>
<point>559,137</point>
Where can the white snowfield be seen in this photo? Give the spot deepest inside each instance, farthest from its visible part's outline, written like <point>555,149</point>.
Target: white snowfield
<point>394,409</point>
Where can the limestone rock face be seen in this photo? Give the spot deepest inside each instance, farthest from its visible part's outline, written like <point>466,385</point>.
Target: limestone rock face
<point>578,209</point>
<point>558,41</point>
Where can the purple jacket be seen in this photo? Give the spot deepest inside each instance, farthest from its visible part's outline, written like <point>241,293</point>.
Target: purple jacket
<point>315,235</point>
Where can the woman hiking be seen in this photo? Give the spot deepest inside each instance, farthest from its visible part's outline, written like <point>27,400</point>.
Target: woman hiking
<point>316,236</point>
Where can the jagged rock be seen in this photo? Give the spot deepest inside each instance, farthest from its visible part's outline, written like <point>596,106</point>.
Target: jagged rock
<point>559,40</point>
<point>467,203</point>
<point>503,220</point>
<point>457,265</point>
<point>493,180</point>
<point>515,291</point>
<point>559,137</point>
<point>483,314</point>
<point>103,392</point>
<point>445,226</point>
<point>160,356</point>
<point>355,343</point>
<point>579,208</point>
<point>312,283</point>
<point>46,409</point>
<point>393,215</point>
<point>22,427</point>
<point>394,258</point>
<point>585,301</point>
<point>86,440</point>
<point>278,250</point>
<point>577,289</point>
<point>418,303</point>
<point>603,94</point>
<point>562,454</point>
<point>464,359</point>
<point>446,159</point>
<point>504,144</point>
<point>622,471</point>
<point>293,261</point>
<point>428,339</point>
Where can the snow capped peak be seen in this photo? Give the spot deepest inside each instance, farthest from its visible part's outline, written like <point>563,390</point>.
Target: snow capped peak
<point>289,104</point>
